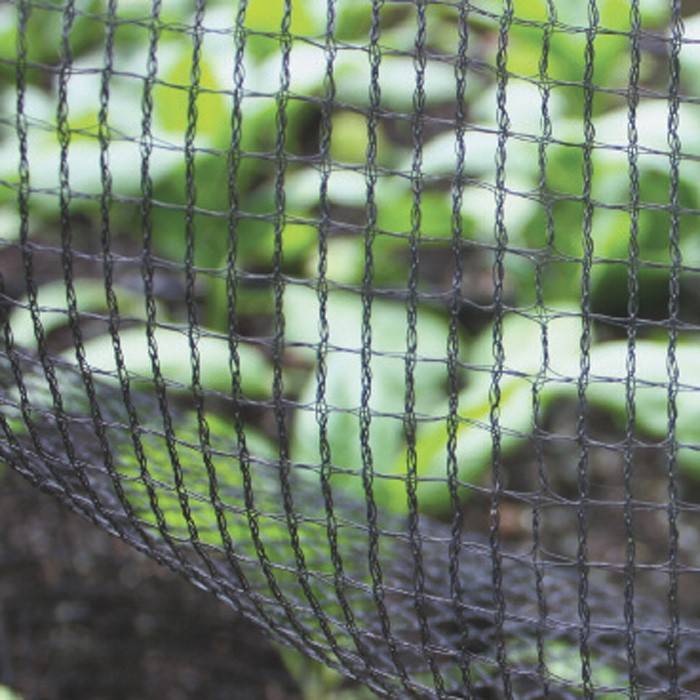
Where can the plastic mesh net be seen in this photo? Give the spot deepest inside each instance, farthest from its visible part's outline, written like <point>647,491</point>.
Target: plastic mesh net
<point>376,319</point>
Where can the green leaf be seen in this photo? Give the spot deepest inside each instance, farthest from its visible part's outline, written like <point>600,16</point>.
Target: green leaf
<point>349,138</point>
<point>395,215</point>
<point>316,680</point>
<point>474,441</point>
<point>51,298</point>
<point>344,375</point>
<point>84,167</point>
<point>175,360</point>
<point>396,74</point>
<point>346,260</point>
<point>564,661</point>
<point>345,187</point>
<point>523,361</point>
<point>172,100</point>
<point>478,204</point>
<point>439,154</point>
<point>8,694</point>
<point>9,223</point>
<point>690,56</point>
<point>607,389</point>
<point>611,128</point>
<point>523,102</point>
<point>266,16</point>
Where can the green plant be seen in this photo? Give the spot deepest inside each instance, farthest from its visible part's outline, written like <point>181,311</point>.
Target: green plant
<point>8,694</point>
<point>317,681</point>
<point>530,226</point>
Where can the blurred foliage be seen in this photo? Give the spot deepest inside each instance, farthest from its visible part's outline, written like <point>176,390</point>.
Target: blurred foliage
<point>552,240</point>
<point>7,694</point>
<point>319,682</point>
<point>564,664</point>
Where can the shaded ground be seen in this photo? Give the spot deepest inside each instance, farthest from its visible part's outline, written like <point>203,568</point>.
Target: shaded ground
<point>83,616</point>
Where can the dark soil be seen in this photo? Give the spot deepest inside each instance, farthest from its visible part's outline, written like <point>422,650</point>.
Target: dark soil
<point>83,616</point>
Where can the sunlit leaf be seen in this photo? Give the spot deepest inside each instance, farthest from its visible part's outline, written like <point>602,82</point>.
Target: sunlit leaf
<point>175,360</point>
<point>266,16</point>
<point>353,78</point>
<point>522,345</point>
<point>8,694</point>
<point>344,378</point>
<point>608,366</point>
<point>9,223</point>
<point>51,298</point>
<point>172,101</point>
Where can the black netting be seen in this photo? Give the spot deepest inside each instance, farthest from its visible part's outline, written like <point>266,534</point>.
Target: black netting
<point>375,318</point>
